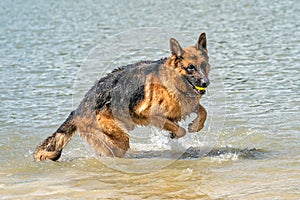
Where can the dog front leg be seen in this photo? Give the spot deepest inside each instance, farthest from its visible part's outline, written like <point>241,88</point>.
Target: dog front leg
<point>198,123</point>
<point>168,125</point>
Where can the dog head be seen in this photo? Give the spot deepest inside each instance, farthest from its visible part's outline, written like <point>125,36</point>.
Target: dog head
<point>192,63</point>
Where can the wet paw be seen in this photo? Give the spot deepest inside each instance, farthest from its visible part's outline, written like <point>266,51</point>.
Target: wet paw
<point>41,155</point>
<point>194,127</point>
<point>180,133</point>
<point>172,135</point>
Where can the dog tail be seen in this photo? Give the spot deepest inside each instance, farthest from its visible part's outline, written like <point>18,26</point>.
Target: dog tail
<point>52,147</point>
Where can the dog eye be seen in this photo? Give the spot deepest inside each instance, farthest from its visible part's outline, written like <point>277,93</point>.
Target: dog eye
<point>190,69</point>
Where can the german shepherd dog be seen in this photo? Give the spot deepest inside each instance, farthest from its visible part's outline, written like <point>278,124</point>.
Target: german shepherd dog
<point>158,93</point>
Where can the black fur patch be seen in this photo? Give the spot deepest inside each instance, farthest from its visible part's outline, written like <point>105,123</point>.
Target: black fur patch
<point>124,85</point>
<point>136,98</point>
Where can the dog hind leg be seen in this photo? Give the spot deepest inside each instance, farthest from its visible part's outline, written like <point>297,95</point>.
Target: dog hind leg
<point>52,147</point>
<point>109,138</point>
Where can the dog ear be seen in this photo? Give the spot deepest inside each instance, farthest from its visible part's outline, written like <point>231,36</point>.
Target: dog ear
<point>175,48</point>
<point>201,42</point>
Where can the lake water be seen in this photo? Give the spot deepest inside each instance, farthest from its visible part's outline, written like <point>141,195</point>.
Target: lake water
<point>249,148</point>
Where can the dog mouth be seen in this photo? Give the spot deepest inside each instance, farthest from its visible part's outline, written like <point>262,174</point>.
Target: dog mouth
<point>197,89</point>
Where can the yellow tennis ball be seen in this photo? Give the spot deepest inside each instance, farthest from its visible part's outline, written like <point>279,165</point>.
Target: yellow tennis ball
<point>200,88</point>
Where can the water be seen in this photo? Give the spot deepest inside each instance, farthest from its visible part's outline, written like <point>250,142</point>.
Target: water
<point>254,50</point>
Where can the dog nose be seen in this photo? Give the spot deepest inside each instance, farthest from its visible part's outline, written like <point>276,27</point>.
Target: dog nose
<point>204,82</point>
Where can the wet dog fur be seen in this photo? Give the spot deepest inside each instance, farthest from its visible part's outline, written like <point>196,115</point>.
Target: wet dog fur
<point>158,93</point>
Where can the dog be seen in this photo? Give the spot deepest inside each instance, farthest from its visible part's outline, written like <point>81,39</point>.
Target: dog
<point>156,93</point>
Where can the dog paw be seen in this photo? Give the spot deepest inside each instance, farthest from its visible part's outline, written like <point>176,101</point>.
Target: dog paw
<point>194,127</point>
<point>41,155</point>
<point>180,133</point>
<point>172,135</point>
